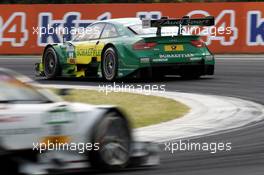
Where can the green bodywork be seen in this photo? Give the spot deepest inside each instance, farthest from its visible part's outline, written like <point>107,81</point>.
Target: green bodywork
<point>87,55</point>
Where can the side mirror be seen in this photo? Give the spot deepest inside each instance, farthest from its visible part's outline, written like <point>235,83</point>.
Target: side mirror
<point>64,92</point>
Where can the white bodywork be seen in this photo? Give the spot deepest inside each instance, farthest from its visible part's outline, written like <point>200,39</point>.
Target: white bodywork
<point>21,125</point>
<point>26,124</point>
<point>30,117</point>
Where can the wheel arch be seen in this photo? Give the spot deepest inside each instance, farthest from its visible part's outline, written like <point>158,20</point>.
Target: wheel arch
<point>93,158</point>
<point>45,49</point>
<point>106,47</point>
<point>105,110</point>
<point>56,49</point>
<point>110,45</point>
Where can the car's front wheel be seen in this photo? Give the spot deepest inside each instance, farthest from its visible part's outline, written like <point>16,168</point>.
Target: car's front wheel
<point>51,63</point>
<point>8,166</point>
<point>114,139</point>
<point>109,64</point>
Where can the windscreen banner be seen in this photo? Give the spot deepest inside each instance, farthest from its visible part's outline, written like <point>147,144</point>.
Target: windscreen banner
<point>26,29</point>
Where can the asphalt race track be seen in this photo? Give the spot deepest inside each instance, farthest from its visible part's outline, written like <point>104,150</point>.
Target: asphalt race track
<point>235,77</point>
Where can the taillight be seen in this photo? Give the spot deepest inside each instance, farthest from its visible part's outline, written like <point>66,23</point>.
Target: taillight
<point>143,45</point>
<point>198,43</point>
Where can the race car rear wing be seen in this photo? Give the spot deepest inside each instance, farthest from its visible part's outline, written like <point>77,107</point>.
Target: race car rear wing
<point>185,21</point>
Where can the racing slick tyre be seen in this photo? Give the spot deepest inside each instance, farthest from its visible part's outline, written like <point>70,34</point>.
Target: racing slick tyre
<point>109,64</point>
<point>8,166</point>
<point>114,138</point>
<point>51,63</point>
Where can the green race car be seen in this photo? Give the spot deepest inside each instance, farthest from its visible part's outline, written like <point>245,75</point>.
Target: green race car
<point>131,47</point>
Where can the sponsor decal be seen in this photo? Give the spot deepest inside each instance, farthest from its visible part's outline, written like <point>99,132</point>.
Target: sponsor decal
<point>160,60</point>
<point>176,55</point>
<point>13,30</point>
<point>87,52</point>
<point>59,116</point>
<point>255,28</point>
<point>239,26</point>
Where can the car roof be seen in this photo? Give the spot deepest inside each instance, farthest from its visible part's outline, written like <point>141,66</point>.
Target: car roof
<point>124,21</point>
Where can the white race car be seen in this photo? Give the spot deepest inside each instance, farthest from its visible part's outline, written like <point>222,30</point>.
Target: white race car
<point>40,133</point>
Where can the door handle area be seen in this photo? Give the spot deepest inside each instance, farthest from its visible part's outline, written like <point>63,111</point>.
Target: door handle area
<point>97,43</point>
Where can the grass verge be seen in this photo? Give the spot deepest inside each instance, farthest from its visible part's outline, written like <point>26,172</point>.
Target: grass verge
<point>142,110</point>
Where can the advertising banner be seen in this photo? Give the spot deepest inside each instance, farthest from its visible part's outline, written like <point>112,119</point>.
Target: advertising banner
<point>26,29</point>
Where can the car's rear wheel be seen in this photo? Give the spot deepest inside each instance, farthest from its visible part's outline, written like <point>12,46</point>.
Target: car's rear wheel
<point>51,63</point>
<point>109,64</point>
<point>114,139</point>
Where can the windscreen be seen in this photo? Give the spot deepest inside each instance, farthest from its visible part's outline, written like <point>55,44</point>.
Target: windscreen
<point>14,91</point>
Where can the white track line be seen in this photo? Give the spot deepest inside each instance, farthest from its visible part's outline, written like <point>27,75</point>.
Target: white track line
<point>209,114</point>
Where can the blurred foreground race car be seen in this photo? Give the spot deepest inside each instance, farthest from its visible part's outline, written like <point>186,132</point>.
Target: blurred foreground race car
<point>124,47</point>
<point>40,133</point>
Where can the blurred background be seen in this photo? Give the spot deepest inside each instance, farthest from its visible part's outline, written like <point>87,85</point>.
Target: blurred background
<point>115,1</point>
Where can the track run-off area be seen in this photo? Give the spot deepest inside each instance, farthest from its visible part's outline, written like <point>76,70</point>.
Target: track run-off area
<point>239,76</point>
